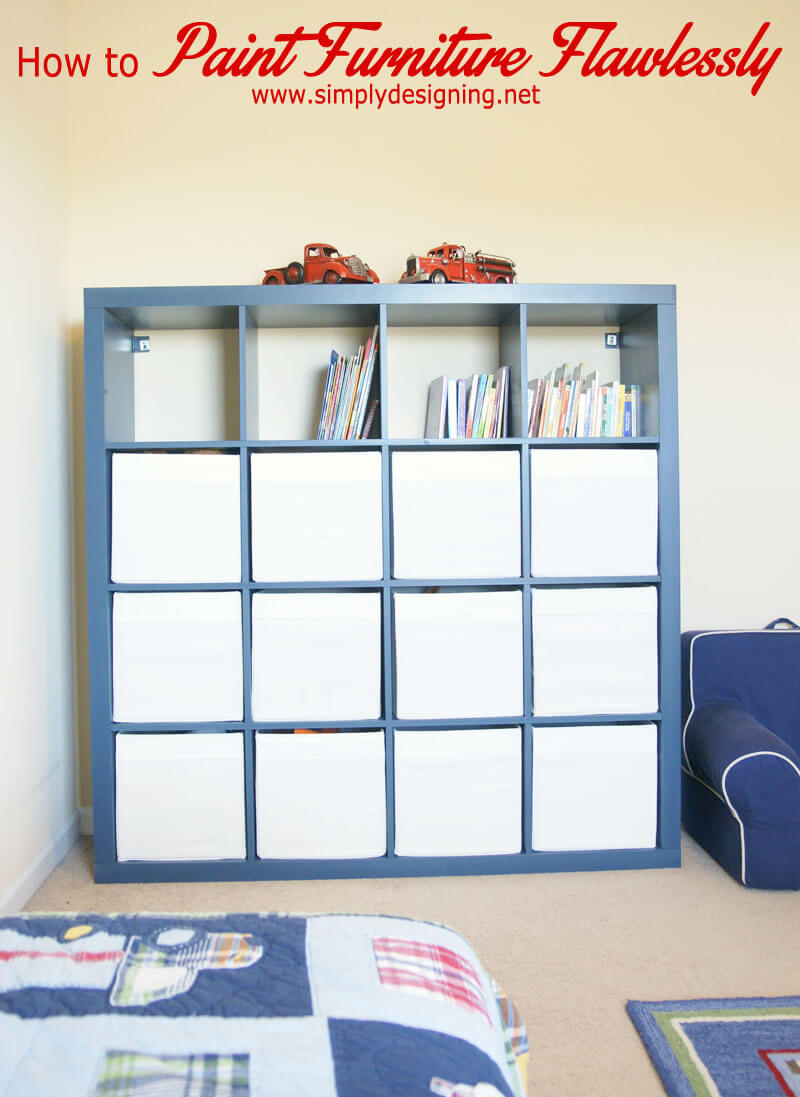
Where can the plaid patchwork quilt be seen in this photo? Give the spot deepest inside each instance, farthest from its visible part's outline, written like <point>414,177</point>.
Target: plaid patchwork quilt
<point>249,1005</point>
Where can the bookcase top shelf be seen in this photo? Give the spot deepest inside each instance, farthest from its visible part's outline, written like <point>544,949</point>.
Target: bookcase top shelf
<point>198,307</point>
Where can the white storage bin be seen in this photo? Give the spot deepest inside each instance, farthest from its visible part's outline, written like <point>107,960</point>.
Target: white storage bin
<point>458,654</point>
<point>594,512</point>
<point>175,518</point>
<point>321,795</point>
<point>177,656</point>
<point>316,656</point>
<point>458,792</point>
<point>456,515</point>
<point>180,797</point>
<point>595,650</point>
<point>316,516</point>
<point>595,787</point>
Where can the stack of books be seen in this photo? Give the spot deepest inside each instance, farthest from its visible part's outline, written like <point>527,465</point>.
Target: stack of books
<point>570,403</point>
<point>347,411</point>
<point>469,407</point>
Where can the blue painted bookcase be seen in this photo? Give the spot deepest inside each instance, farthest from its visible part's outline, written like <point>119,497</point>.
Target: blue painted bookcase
<point>238,372</point>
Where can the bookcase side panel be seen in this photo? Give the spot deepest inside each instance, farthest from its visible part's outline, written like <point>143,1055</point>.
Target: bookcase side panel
<point>104,336</point>
<point>641,364</point>
<point>669,566</point>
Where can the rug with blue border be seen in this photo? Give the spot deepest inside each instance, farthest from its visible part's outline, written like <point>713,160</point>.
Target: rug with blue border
<point>723,1047</point>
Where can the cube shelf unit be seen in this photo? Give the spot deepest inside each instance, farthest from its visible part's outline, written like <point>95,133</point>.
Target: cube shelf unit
<point>479,637</point>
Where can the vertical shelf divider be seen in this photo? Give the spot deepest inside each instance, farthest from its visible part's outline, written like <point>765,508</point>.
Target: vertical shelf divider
<point>525,571</point>
<point>248,399</point>
<point>387,607</point>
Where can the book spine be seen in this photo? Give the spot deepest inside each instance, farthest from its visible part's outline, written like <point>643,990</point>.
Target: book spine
<point>326,397</point>
<point>473,392</point>
<point>461,397</point>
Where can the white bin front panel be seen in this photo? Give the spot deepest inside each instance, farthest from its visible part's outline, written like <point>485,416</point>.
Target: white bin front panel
<point>175,518</point>
<point>458,654</point>
<point>177,656</point>
<point>595,787</point>
<point>316,516</point>
<point>322,795</point>
<point>456,515</point>
<point>595,650</point>
<point>180,797</point>
<point>594,512</point>
<point>458,792</point>
<point>316,656</point>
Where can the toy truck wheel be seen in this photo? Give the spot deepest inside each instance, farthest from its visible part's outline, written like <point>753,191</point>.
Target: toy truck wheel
<point>271,281</point>
<point>331,277</point>
<point>500,279</point>
<point>294,273</point>
<point>438,276</point>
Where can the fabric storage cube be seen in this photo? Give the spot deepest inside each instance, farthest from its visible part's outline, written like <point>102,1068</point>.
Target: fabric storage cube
<point>316,656</point>
<point>458,792</point>
<point>180,797</point>
<point>594,512</point>
<point>456,515</point>
<point>321,795</point>
<point>177,655</point>
<point>595,650</point>
<point>316,516</point>
<point>458,654</point>
<point>595,787</point>
<point>175,518</point>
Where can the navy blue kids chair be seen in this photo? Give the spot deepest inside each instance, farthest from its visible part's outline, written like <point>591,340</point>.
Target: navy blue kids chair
<point>741,750</point>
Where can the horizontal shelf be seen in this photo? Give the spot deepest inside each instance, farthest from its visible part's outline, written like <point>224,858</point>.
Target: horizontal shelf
<point>182,307</point>
<point>419,584</point>
<point>594,580</point>
<point>171,447</point>
<point>189,727</point>
<point>597,718</point>
<point>382,724</point>
<point>388,865</point>
<point>286,444</point>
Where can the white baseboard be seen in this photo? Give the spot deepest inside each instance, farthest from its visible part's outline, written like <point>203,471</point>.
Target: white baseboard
<point>87,819</point>
<point>35,875</point>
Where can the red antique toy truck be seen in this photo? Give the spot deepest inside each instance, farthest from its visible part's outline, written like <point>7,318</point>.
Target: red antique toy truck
<point>321,263</point>
<point>452,263</point>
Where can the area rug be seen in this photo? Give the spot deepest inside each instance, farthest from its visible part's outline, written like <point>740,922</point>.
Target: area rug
<point>723,1047</point>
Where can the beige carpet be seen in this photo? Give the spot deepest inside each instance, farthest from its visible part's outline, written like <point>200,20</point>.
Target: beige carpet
<point>570,949</point>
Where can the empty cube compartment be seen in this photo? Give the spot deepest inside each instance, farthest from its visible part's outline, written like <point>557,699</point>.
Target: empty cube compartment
<point>316,656</point>
<point>458,792</point>
<point>595,650</point>
<point>177,656</point>
<point>458,654</point>
<point>456,515</point>
<point>180,797</point>
<point>594,512</point>
<point>595,787</point>
<point>175,518</point>
<point>321,795</point>
<point>316,516</point>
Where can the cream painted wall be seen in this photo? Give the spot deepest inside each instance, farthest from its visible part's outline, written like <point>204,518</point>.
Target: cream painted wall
<point>38,819</point>
<point>184,180</point>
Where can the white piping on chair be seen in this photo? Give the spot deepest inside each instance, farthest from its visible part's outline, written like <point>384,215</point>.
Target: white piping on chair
<point>734,813</point>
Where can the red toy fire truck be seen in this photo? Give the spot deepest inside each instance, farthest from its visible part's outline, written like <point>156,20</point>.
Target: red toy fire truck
<point>453,263</point>
<point>321,263</point>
